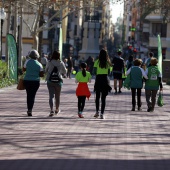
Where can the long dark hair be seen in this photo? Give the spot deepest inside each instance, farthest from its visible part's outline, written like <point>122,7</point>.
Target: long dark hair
<point>55,55</point>
<point>103,59</point>
<point>83,66</point>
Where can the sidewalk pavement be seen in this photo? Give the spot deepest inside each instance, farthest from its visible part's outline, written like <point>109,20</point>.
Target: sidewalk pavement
<point>124,140</point>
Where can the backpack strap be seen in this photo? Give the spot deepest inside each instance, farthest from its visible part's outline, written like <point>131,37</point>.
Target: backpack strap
<point>53,66</point>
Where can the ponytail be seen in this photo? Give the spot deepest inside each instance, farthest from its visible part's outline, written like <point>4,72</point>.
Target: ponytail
<point>84,72</point>
<point>83,66</point>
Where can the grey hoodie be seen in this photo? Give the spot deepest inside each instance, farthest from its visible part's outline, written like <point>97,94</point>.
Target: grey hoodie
<point>59,64</point>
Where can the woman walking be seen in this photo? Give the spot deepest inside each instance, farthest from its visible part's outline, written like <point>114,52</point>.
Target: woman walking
<point>136,83</point>
<point>82,91</point>
<point>34,70</point>
<point>102,85</point>
<point>54,86</point>
<point>152,84</point>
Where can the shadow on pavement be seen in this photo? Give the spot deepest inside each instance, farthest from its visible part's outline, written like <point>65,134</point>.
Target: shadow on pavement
<point>83,164</point>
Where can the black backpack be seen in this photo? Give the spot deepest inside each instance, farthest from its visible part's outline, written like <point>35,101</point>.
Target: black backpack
<point>55,76</point>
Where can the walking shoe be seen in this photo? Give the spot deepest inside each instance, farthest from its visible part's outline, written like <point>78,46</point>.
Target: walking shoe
<point>96,115</point>
<point>115,92</point>
<point>57,111</point>
<point>149,109</point>
<point>29,113</point>
<point>51,114</point>
<point>120,91</point>
<point>101,116</point>
<point>139,108</point>
<point>152,109</point>
<point>80,115</point>
<point>133,109</point>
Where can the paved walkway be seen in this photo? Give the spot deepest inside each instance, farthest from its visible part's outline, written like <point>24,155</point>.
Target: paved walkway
<point>125,140</point>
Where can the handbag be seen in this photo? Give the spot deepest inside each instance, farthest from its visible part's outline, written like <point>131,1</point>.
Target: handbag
<point>160,102</point>
<point>20,85</point>
<point>126,83</point>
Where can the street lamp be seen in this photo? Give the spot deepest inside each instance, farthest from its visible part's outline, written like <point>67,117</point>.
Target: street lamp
<point>2,17</point>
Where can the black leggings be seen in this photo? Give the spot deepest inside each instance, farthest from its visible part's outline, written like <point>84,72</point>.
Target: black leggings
<point>31,90</point>
<point>81,103</point>
<point>103,101</point>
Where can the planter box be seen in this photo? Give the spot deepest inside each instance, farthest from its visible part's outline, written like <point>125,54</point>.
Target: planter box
<point>166,70</point>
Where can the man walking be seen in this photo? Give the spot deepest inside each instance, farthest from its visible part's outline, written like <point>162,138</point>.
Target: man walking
<point>118,67</point>
<point>148,61</point>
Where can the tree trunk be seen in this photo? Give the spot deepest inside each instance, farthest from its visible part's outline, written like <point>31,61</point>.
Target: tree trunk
<point>35,44</point>
<point>40,36</point>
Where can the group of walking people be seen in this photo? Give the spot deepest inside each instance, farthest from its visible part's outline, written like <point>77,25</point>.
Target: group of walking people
<point>145,75</point>
<point>101,68</point>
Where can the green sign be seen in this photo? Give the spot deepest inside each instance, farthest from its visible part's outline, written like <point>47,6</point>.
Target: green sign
<point>133,29</point>
<point>13,59</point>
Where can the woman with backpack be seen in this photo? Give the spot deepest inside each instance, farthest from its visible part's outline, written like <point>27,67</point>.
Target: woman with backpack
<point>82,91</point>
<point>55,69</point>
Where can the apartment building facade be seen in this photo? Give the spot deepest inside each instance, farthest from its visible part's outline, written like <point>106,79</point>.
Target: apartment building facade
<point>142,32</point>
<point>84,30</point>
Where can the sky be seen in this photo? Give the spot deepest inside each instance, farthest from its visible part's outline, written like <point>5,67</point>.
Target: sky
<point>117,9</point>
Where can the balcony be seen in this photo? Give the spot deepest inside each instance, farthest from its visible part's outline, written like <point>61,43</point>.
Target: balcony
<point>153,42</point>
<point>154,18</point>
<point>94,18</point>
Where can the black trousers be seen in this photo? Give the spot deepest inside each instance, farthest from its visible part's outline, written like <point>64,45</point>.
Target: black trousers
<point>139,103</point>
<point>31,90</point>
<point>81,103</point>
<point>151,97</point>
<point>103,101</point>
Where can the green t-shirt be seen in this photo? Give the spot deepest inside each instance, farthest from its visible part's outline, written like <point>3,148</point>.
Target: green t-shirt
<point>80,78</point>
<point>99,69</point>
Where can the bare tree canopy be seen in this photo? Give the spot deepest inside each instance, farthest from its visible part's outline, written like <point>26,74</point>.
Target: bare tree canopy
<point>149,6</point>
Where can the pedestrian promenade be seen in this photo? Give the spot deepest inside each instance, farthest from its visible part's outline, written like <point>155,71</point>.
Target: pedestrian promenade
<point>124,140</point>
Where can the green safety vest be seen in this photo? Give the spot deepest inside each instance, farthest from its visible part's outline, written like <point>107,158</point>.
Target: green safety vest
<point>152,83</point>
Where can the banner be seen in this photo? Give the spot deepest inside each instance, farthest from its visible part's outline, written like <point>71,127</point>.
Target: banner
<point>61,43</point>
<point>13,59</point>
<point>159,54</point>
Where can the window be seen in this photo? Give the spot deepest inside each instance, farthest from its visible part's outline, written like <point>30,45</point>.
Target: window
<point>159,28</point>
<point>75,30</point>
<point>130,18</point>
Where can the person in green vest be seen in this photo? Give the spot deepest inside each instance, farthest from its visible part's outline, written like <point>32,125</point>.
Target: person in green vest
<point>152,84</point>
<point>136,83</point>
<point>102,83</point>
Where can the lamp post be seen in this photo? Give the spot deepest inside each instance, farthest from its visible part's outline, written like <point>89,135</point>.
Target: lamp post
<point>2,17</point>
